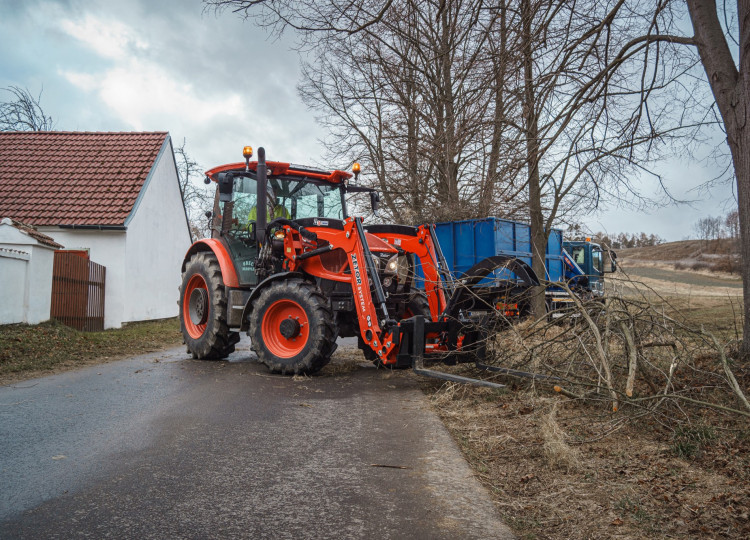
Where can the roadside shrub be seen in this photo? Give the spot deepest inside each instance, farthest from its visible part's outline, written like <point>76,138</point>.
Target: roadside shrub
<point>728,264</point>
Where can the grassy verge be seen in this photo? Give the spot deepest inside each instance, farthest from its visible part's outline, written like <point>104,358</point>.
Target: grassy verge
<point>27,351</point>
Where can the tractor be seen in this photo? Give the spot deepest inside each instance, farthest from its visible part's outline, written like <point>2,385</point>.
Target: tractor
<point>289,266</point>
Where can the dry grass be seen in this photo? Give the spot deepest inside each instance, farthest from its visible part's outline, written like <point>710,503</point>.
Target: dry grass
<point>558,453</point>
<point>28,351</point>
<point>560,470</point>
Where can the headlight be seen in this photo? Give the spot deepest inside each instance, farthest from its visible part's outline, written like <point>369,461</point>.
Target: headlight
<point>376,262</point>
<point>391,266</point>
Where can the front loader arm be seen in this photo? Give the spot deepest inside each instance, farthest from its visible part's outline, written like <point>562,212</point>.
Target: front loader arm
<point>372,314</point>
<point>422,242</point>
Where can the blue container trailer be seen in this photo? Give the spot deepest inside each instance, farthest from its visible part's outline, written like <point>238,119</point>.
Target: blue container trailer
<point>465,243</point>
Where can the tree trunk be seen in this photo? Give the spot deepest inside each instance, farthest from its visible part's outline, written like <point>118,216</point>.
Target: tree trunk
<point>486,198</point>
<point>741,157</point>
<point>538,238</point>
<point>731,90</point>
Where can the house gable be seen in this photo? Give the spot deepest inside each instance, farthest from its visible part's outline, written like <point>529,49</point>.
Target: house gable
<point>157,239</point>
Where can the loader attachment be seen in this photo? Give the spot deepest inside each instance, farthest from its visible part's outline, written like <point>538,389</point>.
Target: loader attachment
<point>495,281</point>
<point>412,334</point>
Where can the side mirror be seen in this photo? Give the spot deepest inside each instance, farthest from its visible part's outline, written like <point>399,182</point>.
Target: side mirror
<point>612,261</point>
<point>226,186</point>
<point>374,201</point>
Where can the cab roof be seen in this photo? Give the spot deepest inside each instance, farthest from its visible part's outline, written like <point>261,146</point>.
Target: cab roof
<point>278,168</point>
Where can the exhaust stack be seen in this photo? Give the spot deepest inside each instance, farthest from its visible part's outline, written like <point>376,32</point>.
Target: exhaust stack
<point>262,204</point>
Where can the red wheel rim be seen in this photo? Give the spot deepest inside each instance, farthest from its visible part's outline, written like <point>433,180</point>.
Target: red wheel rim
<point>271,328</point>
<point>195,330</point>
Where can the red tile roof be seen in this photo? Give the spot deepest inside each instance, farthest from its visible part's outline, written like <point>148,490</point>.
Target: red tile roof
<point>33,233</point>
<point>74,178</point>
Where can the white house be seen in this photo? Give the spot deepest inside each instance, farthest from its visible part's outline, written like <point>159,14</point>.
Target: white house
<point>115,195</point>
<point>25,273</point>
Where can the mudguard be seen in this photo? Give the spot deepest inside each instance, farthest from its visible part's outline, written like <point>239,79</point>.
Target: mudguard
<point>228,273</point>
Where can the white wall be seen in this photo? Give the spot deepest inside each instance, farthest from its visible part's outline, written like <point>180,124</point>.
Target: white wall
<point>13,275</point>
<point>25,277</point>
<point>157,240</point>
<point>38,294</point>
<point>108,249</point>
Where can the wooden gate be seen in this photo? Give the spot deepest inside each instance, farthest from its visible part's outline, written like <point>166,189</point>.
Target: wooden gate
<point>78,291</point>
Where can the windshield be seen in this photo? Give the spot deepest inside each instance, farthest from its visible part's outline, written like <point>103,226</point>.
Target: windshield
<point>289,199</point>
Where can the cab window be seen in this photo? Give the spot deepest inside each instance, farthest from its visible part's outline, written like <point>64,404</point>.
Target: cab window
<point>579,256</point>
<point>597,261</point>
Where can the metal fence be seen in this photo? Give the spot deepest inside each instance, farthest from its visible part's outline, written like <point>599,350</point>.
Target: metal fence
<point>78,291</point>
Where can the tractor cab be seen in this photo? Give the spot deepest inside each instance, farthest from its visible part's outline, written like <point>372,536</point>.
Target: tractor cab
<point>587,258</point>
<point>243,208</point>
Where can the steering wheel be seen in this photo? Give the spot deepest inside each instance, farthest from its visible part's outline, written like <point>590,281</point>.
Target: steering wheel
<point>243,234</point>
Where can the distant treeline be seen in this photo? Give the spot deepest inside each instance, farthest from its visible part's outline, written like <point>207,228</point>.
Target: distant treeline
<point>627,240</point>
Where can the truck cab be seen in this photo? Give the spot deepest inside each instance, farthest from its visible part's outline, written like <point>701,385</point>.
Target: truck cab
<point>589,261</point>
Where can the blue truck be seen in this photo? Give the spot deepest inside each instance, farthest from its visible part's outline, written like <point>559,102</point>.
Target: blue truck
<point>580,263</point>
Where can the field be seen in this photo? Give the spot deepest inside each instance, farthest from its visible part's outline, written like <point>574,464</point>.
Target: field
<point>569,466</point>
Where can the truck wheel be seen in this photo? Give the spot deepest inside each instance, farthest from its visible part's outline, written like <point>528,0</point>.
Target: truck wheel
<point>417,305</point>
<point>203,308</point>
<point>292,328</point>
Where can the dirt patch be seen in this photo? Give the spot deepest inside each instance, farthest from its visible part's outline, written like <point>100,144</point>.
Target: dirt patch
<point>31,351</point>
<point>684,249</point>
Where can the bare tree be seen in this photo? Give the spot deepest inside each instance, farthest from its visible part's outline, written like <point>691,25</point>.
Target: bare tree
<point>601,84</point>
<point>197,198</point>
<point>408,98</point>
<point>732,224</point>
<point>23,112</point>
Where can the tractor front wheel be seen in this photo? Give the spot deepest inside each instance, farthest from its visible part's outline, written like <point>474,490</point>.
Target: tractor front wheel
<point>291,327</point>
<point>203,308</point>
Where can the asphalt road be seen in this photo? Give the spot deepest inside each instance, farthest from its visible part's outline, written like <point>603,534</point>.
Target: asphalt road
<point>161,446</point>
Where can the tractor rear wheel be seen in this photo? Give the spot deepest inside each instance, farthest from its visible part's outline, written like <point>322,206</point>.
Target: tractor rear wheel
<point>203,308</point>
<point>292,328</point>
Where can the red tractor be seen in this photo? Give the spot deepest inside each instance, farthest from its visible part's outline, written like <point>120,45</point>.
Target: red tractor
<point>288,265</point>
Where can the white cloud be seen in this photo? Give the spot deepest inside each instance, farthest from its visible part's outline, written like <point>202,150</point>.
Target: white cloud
<point>107,37</point>
<point>215,81</point>
<point>142,94</point>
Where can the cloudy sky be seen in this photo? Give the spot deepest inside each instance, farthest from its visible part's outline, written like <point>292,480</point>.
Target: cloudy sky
<point>219,83</point>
